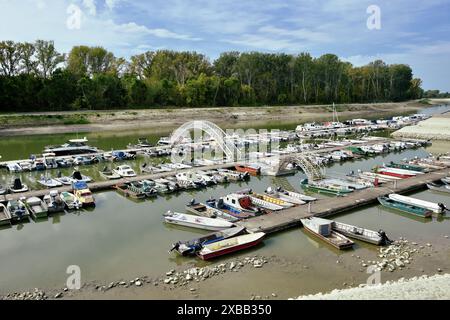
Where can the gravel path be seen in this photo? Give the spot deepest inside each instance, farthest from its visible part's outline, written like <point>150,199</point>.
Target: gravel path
<point>435,288</point>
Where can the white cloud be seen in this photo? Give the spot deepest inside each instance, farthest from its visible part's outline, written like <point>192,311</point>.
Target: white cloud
<point>90,6</point>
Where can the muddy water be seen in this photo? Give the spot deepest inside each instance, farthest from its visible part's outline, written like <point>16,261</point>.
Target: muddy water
<point>122,239</point>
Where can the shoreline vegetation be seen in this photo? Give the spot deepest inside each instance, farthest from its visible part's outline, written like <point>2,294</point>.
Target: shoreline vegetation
<point>12,124</point>
<point>36,77</point>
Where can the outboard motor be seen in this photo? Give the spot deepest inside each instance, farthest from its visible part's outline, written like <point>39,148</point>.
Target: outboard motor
<point>384,238</point>
<point>192,202</point>
<point>17,184</point>
<point>77,175</point>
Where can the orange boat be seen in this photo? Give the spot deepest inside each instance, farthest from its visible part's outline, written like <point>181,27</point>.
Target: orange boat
<point>251,169</point>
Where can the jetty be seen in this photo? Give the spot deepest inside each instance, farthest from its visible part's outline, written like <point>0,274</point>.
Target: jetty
<point>327,207</point>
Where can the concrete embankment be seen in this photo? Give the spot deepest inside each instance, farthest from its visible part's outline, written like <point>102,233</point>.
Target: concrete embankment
<point>424,288</point>
<point>435,128</point>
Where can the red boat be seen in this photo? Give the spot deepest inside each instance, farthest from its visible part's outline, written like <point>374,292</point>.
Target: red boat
<point>252,170</point>
<point>399,173</point>
<point>227,246</point>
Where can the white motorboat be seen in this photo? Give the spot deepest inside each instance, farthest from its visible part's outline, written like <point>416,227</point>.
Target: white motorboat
<point>77,176</point>
<point>49,182</point>
<point>54,202</point>
<point>37,207</point>
<point>67,181</point>
<point>26,165</point>
<point>190,177</point>
<point>125,171</point>
<point>73,147</point>
<point>70,200</point>
<point>18,187</point>
<point>283,196</point>
<point>14,167</point>
<point>435,207</point>
<point>196,221</point>
<point>18,210</point>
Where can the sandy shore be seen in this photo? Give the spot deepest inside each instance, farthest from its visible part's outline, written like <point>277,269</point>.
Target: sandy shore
<point>435,128</point>
<point>423,288</point>
<point>158,119</point>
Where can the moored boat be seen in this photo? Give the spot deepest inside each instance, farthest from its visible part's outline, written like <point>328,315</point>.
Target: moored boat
<point>54,202</point>
<point>109,174</point>
<point>435,207</point>
<point>83,194</point>
<point>399,173</point>
<point>323,229</point>
<point>282,196</point>
<point>439,187</point>
<point>231,245</point>
<point>191,247</point>
<point>204,210</point>
<point>18,210</point>
<point>74,146</point>
<point>250,169</point>
<point>5,216</point>
<point>49,182</point>
<point>374,237</point>
<point>129,191</point>
<point>70,201</point>
<point>37,207</point>
<point>18,187</point>
<point>330,189</point>
<point>196,221</point>
<point>405,166</point>
<point>400,206</point>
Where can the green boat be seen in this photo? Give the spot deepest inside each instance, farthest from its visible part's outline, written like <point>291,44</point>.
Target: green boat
<point>357,150</point>
<point>405,166</point>
<point>331,189</point>
<point>400,206</point>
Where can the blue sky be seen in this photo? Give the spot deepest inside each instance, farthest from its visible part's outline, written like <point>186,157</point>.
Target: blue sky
<point>413,32</point>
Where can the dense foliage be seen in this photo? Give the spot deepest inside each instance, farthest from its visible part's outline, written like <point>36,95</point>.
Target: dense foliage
<point>436,94</point>
<point>35,77</point>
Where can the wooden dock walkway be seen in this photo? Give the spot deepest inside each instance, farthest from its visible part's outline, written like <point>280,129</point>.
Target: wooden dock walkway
<point>334,205</point>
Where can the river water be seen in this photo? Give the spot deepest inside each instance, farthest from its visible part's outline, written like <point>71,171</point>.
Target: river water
<point>122,239</point>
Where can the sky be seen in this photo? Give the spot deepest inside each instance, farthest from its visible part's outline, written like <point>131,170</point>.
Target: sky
<point>398,31</point>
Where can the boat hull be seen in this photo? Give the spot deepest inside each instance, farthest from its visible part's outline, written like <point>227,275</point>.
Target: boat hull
<point>419,212</point>
<point>327,240</point>
<point>230,250</point>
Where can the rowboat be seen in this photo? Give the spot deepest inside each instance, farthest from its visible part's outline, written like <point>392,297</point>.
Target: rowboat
<point>109,174</point>
<point>405,166</point>
<point>250,169</point>
<point>439,187</point>
<point>374,237</point>
<point>331,189</point>
<point>322,229</point>
<point>435,207</point>
<point>201,209</point>
<point>18,210</point>
<point>191,247</point>
<point>227,246</point>
<point>70,200</point>
<point>5,216</point>
<point>407,208</point>
<point>196,221</point>
<point>37,207</point>
<point>284,197</point>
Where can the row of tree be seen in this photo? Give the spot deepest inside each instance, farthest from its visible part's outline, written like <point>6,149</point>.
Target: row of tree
<point>35,77</point>
<point>436,94</point>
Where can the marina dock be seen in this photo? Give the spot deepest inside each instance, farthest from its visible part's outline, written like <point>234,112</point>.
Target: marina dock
<point>327,207</point>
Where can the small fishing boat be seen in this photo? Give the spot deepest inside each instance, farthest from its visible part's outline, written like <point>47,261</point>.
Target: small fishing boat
<point>18,187</point>
<point>403,207</point>
<point>37,207</point>
<point>231,245</point>
<point>38,165</point>
<point>17,210</point>
<point>233,175</point>
<point>3,190</point>
<point>122,156</point>
<point>295,195</point>
<point>49,182</point>
<point>243,203</point>
<point>70,201</point>
<point>323,229</point>
<point>81,160</point>
<point>190,178</point>
<point>191,247</point>
<point>374,237</point>
<point>67,181</point>
<point>125,171</point>
<point>14,167</point>
<point>216,176</point>
<point>78,177</point>
<point>405,166</point>
<point>253,170</point>
<point>49,161</point>
<point>5,216</point>
<point>201,209</point>
<point>83,194</point>
<point>439,187</point>
<point>284,197</point>
<point>26,165</point>
<point>227,209</point>
<point>129,191</point>
<point>109,174</point>
<point>196,221</point>
<point>330,189</point>
<point>54,202</point>
<point>64,163</point>
<point>143,187</point>
<point>399,173</point>
<point>274,200</point>
<point>435,207</point>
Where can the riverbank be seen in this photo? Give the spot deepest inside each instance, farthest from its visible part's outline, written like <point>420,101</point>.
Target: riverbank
<point>418,288</point>
<point>435,128</point>
<point>166,119</point>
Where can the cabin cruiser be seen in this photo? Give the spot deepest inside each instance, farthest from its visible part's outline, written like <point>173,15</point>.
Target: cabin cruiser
<point>125,171</point>
<point>73,147</point>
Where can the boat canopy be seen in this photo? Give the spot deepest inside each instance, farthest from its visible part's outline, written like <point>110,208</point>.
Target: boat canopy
<point>80,185</point>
